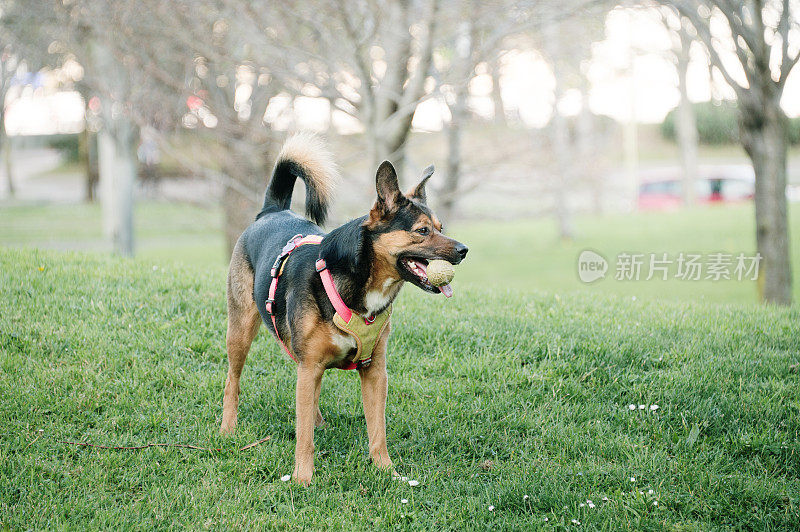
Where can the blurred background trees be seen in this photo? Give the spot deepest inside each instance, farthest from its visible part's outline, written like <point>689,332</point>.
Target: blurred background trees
<point>194,98</point>
<point>759,32</point>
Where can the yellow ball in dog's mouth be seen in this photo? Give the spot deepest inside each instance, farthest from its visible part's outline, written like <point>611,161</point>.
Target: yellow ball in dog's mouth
<point>440,272</point>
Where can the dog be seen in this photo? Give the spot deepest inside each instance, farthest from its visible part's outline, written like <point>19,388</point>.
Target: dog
<point>364,262</point>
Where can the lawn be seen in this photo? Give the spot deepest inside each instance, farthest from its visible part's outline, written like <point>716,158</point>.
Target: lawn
<point>528,255</point>
<point>510,408</point>
<point>175,232</point>
<point>524,255</point>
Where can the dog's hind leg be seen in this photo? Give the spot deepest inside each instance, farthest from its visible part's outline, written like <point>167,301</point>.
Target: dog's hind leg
<point>243,323</point>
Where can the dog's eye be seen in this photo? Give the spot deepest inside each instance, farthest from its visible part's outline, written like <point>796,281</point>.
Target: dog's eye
<point>423,231</point>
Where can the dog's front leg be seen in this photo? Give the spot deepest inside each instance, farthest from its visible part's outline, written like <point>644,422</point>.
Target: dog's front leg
<point>309,380</point>
<point>374,388</point>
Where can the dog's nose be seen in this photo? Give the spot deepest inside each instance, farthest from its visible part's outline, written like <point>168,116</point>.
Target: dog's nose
<point>462,250</point>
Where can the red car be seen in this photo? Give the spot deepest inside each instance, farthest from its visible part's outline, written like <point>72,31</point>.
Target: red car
<point>720,184</point>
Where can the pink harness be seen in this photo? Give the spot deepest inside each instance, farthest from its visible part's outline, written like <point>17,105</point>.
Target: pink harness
<point>327,281</point>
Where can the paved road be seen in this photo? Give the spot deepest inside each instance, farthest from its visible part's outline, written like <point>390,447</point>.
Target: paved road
<point>33,180</point>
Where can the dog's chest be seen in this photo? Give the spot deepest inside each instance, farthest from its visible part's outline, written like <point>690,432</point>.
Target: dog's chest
<point>377,300</point>
<point>345,343</point>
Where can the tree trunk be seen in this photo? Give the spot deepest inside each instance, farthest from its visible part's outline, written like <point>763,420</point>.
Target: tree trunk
<point>455,130</point>
<point>686,124</point>
<point>5,148</point>
<point>117,159</point>
<point>118,165</point>
<point>5,144</point>
<point>559,141</point>
<point>763,132</point>
<point>463,46</point>
<point>497,93</point>
<point>88,154</point>
<point>239,208</point>
<point>585,144</point>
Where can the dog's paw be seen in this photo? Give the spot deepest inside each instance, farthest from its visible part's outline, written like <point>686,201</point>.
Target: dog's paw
<point>304,479</point>
<point>303,471</point>
<point>227,428</point>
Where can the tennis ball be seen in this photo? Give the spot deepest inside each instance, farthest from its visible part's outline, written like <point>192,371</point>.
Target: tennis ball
<point>440,272</point>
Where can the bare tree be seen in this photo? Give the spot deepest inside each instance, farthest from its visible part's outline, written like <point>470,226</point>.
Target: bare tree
<point>371,58</point>
<point>685,120</point>
<point>563,178</point>
<point>460,71</point>
<point>755,32</point>
<point>565,43</point>
<point>85,31</point>
<point>22,48</point>
<point>8,64</point>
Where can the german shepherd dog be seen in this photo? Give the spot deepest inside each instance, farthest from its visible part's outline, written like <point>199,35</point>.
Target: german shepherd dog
<point>369,259</point>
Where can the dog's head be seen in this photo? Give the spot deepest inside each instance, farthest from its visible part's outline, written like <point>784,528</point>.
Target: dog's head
<point>405,233</point>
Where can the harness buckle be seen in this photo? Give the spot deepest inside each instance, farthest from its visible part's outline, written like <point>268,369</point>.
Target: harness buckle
<point>268,305</point>
<point>320,265</point>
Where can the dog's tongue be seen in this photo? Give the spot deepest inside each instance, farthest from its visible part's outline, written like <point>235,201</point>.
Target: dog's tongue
<point>447,290</point>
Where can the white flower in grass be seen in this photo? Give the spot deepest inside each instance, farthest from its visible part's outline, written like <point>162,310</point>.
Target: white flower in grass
<point>653,408</point>
<point>403,501</point>
<point>525,497</point>
<point>285,478</point>
<point>590,503</point>
<point>491,508</point>
<point>581,505</point>
<point>413,483</point>
<point>655,503</point>
<point>605,499</point>
<point>633,479</point>
<point>546,519</point>
<point>642,407</point>
<point>631,407</point>
<point>649,492</point>
<point>575,522</point>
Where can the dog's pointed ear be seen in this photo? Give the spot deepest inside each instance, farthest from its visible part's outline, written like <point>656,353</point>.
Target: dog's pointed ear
<point>389,195</point>
<point>418,192</point>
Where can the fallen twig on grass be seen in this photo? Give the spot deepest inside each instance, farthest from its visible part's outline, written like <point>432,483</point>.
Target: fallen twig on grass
<point>181,445</point>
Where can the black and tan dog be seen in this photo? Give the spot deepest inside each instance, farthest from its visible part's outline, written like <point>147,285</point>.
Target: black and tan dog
<point>369,259</point>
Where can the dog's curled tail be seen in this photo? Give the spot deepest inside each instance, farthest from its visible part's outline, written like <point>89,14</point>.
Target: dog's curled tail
<point>306,156</point>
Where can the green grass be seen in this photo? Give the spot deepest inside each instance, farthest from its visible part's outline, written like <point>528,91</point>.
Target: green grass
<point>179,232</point>
<point>493,395</point>
<point>521,256</point>
<point>529,255</point>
